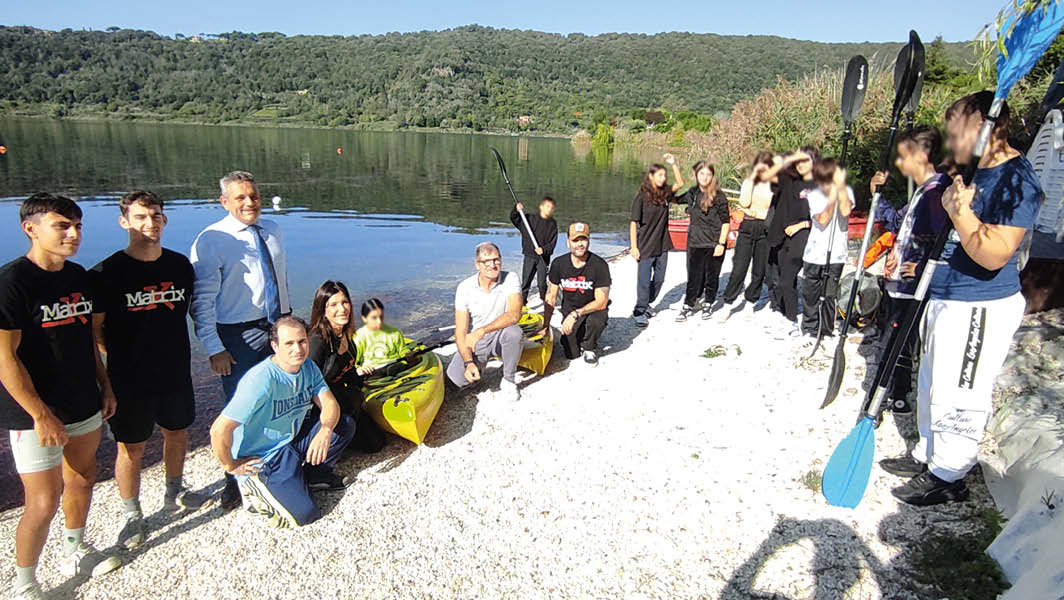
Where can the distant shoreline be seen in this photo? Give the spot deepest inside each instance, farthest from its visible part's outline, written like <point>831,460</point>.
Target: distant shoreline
<point>96,118</point>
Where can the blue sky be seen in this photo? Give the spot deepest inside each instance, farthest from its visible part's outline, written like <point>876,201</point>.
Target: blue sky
<point>823,20</point>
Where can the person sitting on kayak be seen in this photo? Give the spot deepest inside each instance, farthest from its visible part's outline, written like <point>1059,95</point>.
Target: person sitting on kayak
<point>332,348</point>
<point>545,228</point>
<point>377,344</point>
<point>489,302</point>
<point>262,439</point>
<point>584,279</point>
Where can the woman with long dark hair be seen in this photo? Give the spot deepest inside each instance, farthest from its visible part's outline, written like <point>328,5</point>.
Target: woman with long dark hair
<point>707,238</point>
<point>790,225</point>
<point>751,243</point>
<point>649,234</point>
<point>332,348</point>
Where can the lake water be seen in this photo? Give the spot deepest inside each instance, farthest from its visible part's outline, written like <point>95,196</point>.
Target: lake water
<point>395,215</point>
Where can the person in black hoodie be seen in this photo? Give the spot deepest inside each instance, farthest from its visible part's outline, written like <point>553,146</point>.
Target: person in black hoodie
<point>545,228</point>
<point>707,237</point>
<point>789,229</point>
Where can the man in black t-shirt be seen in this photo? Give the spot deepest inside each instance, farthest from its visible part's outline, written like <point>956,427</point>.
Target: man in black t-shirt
<point>584,280</point>
<point>55,392</point>
<point>142,295</point>
<point>545,229</point>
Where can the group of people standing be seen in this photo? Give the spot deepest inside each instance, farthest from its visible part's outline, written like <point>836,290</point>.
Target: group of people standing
<point>78,348</point>
<point>795,220</point>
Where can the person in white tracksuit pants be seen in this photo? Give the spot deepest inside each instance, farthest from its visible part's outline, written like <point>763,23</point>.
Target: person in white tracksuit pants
<point>974,309</point>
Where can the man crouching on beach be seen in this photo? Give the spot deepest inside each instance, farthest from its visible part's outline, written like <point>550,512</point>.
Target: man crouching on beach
<point>490,301</point>
<point>260,436</point>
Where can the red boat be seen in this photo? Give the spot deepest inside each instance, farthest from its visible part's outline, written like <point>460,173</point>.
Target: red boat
<point>678,228</point>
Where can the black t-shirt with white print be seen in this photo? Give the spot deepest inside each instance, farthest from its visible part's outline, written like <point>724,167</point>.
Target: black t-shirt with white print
<point>145,327</point>
<point>578,285</point>
<point>53,312</point>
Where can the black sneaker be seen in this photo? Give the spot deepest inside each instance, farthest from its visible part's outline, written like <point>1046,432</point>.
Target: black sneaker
<point>231,494</point>
<point>326,480</point>
<point>899,406</point>
<point>685,312</point>
<point>590,357</point>
<point>927,490</point>
<point>903,466</point>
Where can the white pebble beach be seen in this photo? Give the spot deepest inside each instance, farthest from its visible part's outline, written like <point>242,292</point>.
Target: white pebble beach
<point>660,473</point>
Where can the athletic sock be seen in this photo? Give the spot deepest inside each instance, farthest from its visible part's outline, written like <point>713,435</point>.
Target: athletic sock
<point>72,539</point>
<point>130,505</point>
<point>173,487</point>
<point>25,576</point>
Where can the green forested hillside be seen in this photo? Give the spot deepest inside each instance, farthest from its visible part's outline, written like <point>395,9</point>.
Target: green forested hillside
<point>471,77</point>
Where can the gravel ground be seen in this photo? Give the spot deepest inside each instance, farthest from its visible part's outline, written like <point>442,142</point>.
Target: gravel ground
<point>658,474</point>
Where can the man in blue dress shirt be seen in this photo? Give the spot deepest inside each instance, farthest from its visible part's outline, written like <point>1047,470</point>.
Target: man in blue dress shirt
<point>241,289</point>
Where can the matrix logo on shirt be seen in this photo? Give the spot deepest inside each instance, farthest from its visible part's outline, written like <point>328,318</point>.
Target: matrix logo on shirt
<point>66,310</point>
<point>577,284</point>
<point>154,295</point>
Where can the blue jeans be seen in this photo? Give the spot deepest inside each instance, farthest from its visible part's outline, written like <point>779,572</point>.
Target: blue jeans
<point>284,474</point>
<point>249,343</point>
<point>650,279</point>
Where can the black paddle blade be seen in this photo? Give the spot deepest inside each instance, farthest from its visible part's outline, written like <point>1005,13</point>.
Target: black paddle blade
<point>918,71</point>
<point>502,165</point>
<point>1055,92</point>
<point>904,80</point>
<point>838,368</point>
<point>853,88</point>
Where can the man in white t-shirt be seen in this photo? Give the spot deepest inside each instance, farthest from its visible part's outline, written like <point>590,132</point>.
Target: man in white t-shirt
<point>829,210</point>
<point>489,303</point>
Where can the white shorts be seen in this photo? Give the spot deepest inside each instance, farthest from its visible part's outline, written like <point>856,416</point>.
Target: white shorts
<point>32,457</point>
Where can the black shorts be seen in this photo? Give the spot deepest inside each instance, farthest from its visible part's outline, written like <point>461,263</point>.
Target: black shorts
<point>140,410</point>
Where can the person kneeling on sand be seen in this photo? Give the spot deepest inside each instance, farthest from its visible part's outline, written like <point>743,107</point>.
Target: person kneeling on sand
<point>490,303</point>
<point>259,438</point>
<point>584,279</point>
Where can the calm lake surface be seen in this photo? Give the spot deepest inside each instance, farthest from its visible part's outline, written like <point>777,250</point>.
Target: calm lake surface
<point>396,215</point>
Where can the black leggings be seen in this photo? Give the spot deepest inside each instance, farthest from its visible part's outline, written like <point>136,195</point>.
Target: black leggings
<point>751,253</point>
<point>703,275</point>
<point>790,257</point>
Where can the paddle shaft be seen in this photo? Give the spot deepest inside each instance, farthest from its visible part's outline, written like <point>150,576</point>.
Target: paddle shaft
<point>381,370</point>
<point>903,328</point>
<point>524,219</point>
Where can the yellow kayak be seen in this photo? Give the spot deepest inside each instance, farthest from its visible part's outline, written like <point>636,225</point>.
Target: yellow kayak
<point>406,403</point>
<point>536,350</point>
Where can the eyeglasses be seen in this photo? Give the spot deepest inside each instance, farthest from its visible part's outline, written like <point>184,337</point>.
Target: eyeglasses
<point>490,261</point>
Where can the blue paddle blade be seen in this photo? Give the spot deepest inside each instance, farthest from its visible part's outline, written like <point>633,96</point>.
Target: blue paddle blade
<point>846,474</point>
<point>1028,36</point>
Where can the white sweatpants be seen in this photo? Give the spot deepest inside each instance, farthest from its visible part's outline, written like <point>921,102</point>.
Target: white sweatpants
<point>964,347</point>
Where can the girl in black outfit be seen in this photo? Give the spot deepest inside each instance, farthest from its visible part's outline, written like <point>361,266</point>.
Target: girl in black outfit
<point>332,348</point>
<point>789,229</point>
<point>707,237</point>
<point>648,233</point>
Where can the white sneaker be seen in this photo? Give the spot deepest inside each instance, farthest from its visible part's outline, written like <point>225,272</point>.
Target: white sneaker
<point>87,561</point>
<point>508,392</point>
<point>30,591</point>
<point>132,532</point>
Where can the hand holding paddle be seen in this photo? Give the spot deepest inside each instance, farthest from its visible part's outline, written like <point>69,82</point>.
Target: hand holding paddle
<point>847,472</point>
<point>519,206</point>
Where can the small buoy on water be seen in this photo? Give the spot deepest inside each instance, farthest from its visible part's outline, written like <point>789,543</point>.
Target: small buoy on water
<point>339,151</point>
<point>276,200</point>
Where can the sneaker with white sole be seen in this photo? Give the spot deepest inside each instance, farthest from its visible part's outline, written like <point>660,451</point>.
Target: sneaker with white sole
<point>641,320</point>
<point>591,358</point>
<point>685,312</point>
<point>87,561</point>
<point>507,392</point>
<point>185,500</point>
<point>260,501</point>
<point>30,591</point>
<point>133,530</point>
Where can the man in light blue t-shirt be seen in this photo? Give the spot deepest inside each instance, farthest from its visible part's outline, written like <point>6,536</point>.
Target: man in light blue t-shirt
<point>261,437</point>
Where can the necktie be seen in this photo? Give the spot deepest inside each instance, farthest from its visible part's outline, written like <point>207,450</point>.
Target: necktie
<point>269,276</point>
